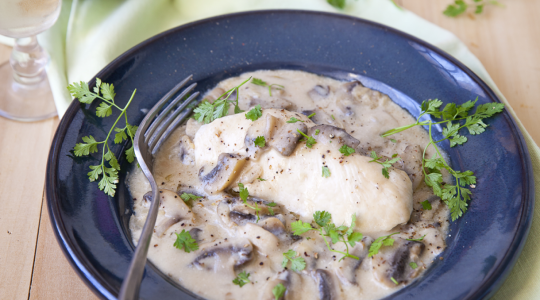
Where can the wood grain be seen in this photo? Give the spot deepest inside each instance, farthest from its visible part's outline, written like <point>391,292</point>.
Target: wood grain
<point>505,39</point>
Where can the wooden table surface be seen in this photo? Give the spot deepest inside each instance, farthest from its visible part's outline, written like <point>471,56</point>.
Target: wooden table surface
<point>31,263</point>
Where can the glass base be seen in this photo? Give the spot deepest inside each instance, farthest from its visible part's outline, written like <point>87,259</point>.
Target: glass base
<point>24,103</point>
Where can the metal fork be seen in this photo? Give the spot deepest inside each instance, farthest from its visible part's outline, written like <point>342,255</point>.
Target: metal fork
<point>153,131</point>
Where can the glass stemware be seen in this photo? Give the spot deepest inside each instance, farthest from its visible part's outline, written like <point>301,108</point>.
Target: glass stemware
<point>25,94</point>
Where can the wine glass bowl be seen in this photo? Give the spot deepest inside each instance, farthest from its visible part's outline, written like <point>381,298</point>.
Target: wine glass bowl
<point>25,94</point>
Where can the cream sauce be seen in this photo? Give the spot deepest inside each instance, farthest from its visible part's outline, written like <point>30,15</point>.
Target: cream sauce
<point>231,241</point>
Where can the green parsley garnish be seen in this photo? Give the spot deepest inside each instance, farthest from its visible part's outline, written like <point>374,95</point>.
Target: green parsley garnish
<point>297,263</point>
<point>342,233</point>
<point>260,82</point>
<point>260,141</point>
<point>459,7</point>
<point>310,141</point>
<point>332,117</point>
<point>312,115</point>
<point>337,3</point>
<point>379,242</point>
<point>244,194</point>
<point>104,92</point>
<point>317,131</point>
<point>455,196</point>
<point>294,120</point>
<point>207,112</point>
<point>426,205</point>
<point>261,179</point>
<point>393,140</point>
<point>326,172</point>
<point>279,291</point>
<point>386,164</point>
<point>394,281</point>
<point>255,113</point>
<point>270,205</point>
<point>189,197</point>
<point>418,239</point>
<point>184,240</point>
<point>346,150</point>
<point>242,279</point>
<point>413,265</point>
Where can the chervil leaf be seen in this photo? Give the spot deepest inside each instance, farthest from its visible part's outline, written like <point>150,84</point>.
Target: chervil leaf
<point>109,156</point>
<point>255,113</point>
<point>346,150</point>
<point>81,92</point>
<point>109,181</point>
<point>379,242</point>
<point>294,120</point>
<point>297,263</point>
<point>457,9</point>
<point>244,193</point>
<point>130,154</point>
<point>457,140</point>
<point>322,217</point>
<point>476,128</point>
<point>242,279</point>
<point>260,141</point>
<point>279,291</point>
<point>94,174</point>
<point>107,91</point>
<point>120,136</point>
<point>300,227</point>
<point>310,141</point>
<point>450,130</point>
<point>103,110</point>
<point>204,112</point>
<point>418,239</point>
<point>426,205</point>
<point>89,146</point>
<point>354,237</point>
<point>221,109</point>
<point>189,197</point>
<point>353,225</point>
<point>185,241</point>
<point>258,81</point>
<point>413,265</point>
<point>337,3</point>
<point>325,172</point>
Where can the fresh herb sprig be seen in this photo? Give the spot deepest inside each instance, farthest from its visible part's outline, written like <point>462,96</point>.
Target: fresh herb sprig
<point>242,279</point>
<point>185,241</point>
<point>109,174</point>
<point>456,117</point>
<point>325,228</point>
<point>189,197</point>
<point>279,291</point>
<point>207,112</point>
<point>346,150</point>
<point>460,6</point>
<point>260,82</point>
<point>310,141</point>
<point>297,263</point>
<point>244,194</point>
<point>379,242</point>
<point>386,164</point>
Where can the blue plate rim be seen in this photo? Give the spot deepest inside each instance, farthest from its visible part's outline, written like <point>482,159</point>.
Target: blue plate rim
<point>84,271</point>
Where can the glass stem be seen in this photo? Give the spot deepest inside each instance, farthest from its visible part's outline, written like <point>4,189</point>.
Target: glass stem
<point>28,60</point>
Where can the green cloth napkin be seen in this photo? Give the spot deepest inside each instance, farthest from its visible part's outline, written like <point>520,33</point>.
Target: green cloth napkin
<point>89,34</point>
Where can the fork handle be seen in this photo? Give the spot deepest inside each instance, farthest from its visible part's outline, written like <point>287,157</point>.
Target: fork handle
<point>132,282</point>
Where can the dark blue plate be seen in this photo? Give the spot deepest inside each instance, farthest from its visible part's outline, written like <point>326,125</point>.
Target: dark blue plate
<point>483,245</point>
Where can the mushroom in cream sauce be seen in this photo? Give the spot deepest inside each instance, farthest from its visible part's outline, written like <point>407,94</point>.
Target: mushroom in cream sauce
<point>246,194</point>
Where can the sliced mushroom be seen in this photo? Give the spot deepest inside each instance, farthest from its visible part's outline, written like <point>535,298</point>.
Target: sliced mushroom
<point>322,117</point>
<point>277,103</point>
<point>195,234</point>
<point>412,164</point>
<point>186,150</point>
<point>224,257</point>
<point>175,210</point>
<point>289,280</point>
<point>286,137</point>
<point>329,133</point>
<point>325,284</point>
<point>394,263</point>
<point>223,174</point>
<point>319,92</point>
<point>347,268</point>
<point>233,211</point>
<point>275,226</point>
<point>264,240</point>
<point>265,126</point>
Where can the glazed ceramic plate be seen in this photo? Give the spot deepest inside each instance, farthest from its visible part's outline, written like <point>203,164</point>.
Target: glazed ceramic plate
<point>483,245</point>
